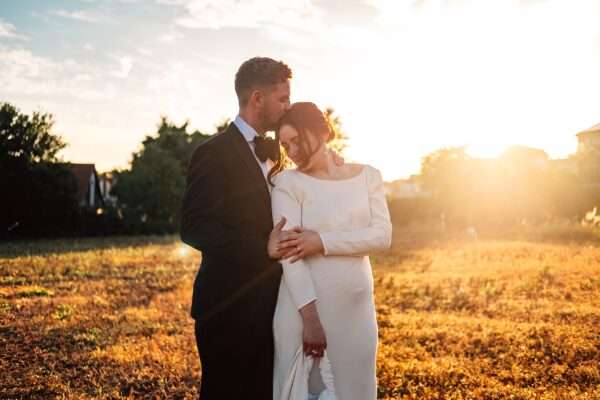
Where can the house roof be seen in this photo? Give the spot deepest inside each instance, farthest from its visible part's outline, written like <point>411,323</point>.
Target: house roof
<point>594,130</point>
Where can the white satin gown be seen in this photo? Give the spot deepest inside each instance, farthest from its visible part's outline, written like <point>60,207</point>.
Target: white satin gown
<point>352,217</point>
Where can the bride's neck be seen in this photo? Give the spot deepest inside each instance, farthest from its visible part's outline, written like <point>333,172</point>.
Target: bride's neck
<point>323,166</point>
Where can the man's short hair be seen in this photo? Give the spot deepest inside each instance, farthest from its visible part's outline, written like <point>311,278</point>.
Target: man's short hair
<point>259,72</point>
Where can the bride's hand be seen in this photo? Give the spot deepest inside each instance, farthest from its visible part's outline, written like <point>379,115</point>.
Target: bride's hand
<point>308,243</point>
<point>313,335</point>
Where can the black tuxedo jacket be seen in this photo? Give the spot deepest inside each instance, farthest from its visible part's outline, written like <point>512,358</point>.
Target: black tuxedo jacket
<point>226,214</point>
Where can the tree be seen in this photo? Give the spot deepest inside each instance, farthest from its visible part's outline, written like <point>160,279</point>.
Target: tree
<point>177,141</point>
<point>149,194</point>
<point>340,141</point>
<point>27,140</point>
<point>40,195</point>
<point>527,183</point>
<point>445,170</point>
<point>522,185</point>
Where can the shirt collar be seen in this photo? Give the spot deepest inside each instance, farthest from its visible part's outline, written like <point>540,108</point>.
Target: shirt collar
<point>247,131</point>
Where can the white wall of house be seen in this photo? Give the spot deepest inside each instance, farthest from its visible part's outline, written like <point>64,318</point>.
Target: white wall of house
<point>405,190</point>
<point>92,191</point>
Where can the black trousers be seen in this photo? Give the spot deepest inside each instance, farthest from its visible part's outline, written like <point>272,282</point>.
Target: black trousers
<point>237,360</point>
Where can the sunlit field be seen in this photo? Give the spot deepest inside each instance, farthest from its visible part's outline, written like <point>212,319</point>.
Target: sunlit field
<point>459,317</point>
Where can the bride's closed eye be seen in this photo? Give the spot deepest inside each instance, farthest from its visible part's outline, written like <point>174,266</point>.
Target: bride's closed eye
<point>286,146</point>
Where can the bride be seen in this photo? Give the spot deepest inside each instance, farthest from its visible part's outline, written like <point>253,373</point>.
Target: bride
<point>325,298</point>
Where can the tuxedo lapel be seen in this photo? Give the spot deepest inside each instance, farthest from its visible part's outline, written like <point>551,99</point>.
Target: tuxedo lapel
<point>244,151</point>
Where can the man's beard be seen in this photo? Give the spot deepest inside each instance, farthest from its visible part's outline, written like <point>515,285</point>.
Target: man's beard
<point>267,123</point>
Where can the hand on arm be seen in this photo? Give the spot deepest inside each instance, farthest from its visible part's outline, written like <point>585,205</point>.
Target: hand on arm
<point>356,242</point>
<point>304,243</point>
<point>283,243</point>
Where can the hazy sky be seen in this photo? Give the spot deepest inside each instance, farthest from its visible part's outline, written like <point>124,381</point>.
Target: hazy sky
<point>406,77</point>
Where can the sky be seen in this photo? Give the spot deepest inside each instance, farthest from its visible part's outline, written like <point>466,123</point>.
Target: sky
<point>406,77</point>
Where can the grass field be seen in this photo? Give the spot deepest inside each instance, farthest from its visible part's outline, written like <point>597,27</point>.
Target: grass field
<point>458,318</point>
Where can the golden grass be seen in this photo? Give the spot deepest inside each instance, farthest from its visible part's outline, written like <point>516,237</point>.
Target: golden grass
<point>458,319</point>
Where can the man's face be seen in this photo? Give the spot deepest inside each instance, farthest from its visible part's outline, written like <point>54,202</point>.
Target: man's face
<point>277,101</point>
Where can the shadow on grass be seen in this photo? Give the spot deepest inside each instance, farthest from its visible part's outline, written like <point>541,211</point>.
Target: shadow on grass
<point>44,247</point>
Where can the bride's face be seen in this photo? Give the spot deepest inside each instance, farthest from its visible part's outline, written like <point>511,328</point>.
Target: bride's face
<point>291,142</point>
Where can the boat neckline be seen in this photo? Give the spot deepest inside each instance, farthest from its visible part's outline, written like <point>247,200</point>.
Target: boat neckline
<point>362,170</point>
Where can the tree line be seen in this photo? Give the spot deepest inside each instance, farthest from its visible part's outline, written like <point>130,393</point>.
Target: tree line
<point>522,186</point>
<point>41,192</point>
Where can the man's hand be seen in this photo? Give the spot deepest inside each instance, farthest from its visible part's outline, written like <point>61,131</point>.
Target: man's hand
<point>279,241</point>
<point>307,243</point>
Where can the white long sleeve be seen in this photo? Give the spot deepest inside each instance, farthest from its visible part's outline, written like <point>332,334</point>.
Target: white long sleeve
<point>285,203</point>
<point>375,237</point>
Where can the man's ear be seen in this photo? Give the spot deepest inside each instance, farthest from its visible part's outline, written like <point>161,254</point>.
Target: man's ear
<point>257,97</point>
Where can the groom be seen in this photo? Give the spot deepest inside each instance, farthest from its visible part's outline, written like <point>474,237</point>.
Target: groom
<point>226,214</point>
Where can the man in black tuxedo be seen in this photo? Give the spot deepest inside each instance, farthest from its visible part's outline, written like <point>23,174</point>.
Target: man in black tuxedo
<point>226,214</point>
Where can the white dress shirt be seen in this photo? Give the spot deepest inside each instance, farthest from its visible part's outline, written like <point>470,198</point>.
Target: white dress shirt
<point>249,134</point>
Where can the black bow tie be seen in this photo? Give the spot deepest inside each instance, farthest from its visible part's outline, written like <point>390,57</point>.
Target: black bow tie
<point>265,147</point>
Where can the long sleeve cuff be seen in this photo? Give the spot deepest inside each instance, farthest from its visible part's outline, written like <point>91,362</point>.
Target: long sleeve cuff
<point>299,283</point>
<point>324,242</point>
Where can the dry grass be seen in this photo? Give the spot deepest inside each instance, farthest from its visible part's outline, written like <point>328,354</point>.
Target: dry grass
<point>93,320</point>
<point>459,319</point>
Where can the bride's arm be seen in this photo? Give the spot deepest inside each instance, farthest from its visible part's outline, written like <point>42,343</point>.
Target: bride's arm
<point>375,237</point>
<point>297,277</point>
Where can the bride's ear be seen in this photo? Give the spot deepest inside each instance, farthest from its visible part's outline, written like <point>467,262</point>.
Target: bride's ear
<point>326,136</point>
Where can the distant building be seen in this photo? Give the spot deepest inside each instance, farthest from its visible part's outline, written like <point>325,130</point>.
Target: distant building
<point>106,182</point>
<point>405,189</point>
<point>588,154</point>
<point>89,194</point>
<point>589,139</point>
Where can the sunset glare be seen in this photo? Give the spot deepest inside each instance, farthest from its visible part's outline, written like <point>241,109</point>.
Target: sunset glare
<point>405,77</point>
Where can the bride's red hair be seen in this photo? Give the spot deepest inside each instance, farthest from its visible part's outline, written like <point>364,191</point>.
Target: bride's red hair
<point>307,119</point>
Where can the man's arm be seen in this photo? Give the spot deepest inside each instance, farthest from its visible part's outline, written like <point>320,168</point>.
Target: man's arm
<point>203,207</point>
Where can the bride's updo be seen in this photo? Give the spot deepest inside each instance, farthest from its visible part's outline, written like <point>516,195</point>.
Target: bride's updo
<point>306,119</point>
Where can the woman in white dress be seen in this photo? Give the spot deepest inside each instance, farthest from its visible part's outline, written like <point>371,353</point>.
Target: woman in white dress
<point>326,294</point>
